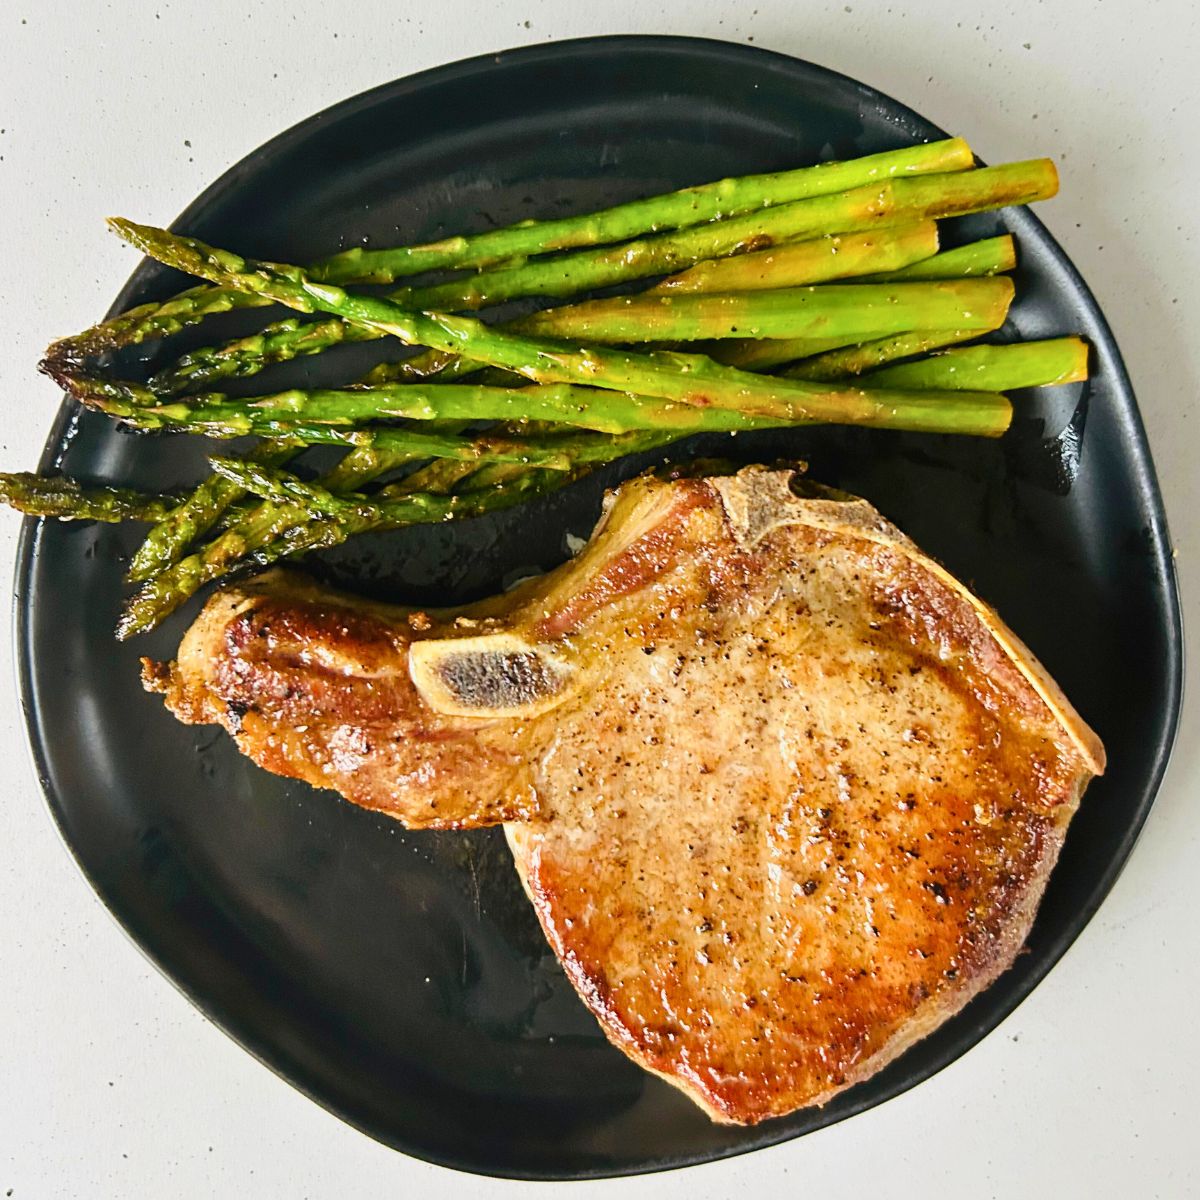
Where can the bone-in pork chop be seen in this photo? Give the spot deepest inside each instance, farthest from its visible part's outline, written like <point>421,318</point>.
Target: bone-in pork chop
<point>784,795</point>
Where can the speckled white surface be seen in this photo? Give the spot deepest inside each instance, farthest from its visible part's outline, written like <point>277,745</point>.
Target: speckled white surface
<point>111,1085</point>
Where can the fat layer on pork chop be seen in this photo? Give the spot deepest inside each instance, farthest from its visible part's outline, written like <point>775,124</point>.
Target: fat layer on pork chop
<point>784,795</point>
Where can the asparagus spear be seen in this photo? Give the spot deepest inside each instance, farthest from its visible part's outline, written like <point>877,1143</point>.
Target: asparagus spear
<point>280,487</point>
<point>675,210</point>
<point>842,362</point>
<point>436,365</point>
<point>69,500</point>
<point>863,310</point>
<point>817,260</point>
<point>685,378</point>
<point>230,418</point>
<point>987,257</point>
<point>560,403</point>
<point>898,201</point>
<point>279,342</point>
<point>1020,365</point>
<point>445,365</point>
<point>155,320</point>
<point>441,475</point>
<point>765,354</point>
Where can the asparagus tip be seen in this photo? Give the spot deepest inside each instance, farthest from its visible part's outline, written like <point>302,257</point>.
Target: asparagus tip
<point>59,367</point>
<point>128,624</point>
<point>138,236</point>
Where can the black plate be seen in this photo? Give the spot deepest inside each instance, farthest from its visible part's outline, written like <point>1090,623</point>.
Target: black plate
<point>400,979</point>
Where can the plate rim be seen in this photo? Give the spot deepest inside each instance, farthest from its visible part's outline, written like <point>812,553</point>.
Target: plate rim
<point>1137,453</point>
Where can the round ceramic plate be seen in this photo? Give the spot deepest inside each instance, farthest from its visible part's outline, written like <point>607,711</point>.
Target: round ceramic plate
<point>400,979</point>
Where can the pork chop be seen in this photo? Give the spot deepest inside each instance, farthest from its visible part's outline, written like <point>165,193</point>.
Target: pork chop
<point>784,795</point>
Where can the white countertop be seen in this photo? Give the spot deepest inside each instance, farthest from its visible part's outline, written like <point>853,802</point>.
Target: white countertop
<point>111,1085</point>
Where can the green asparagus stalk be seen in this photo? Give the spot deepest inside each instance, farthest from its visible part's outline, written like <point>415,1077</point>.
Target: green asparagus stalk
<point>585,408</point>
<point>442,475</point>
<point>280,487</point>
<point>194,516</point>
<point>765,354</point>
<point>300,415</point>
<point>863,310</point>
<point>155,320</point>
<point>746,354</point>
<point>1020,365</point>
<point>818,260</point>
<point>982,413</point>
<point>559,403</point>
<point>689,379</point>
<point>990,256</point>
<point>445,366</point>
<point>236,418</point>
<point>897,201</point>
<point>675,210</point>
<point>69,500</point>
<point>845,362</point>
<point>280,342</point>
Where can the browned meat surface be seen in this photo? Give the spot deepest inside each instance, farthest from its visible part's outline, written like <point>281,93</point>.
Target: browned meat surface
<point>783,794</point>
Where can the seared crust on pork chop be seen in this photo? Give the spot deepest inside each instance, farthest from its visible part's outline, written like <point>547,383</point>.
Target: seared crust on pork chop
<point>784,795</point>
